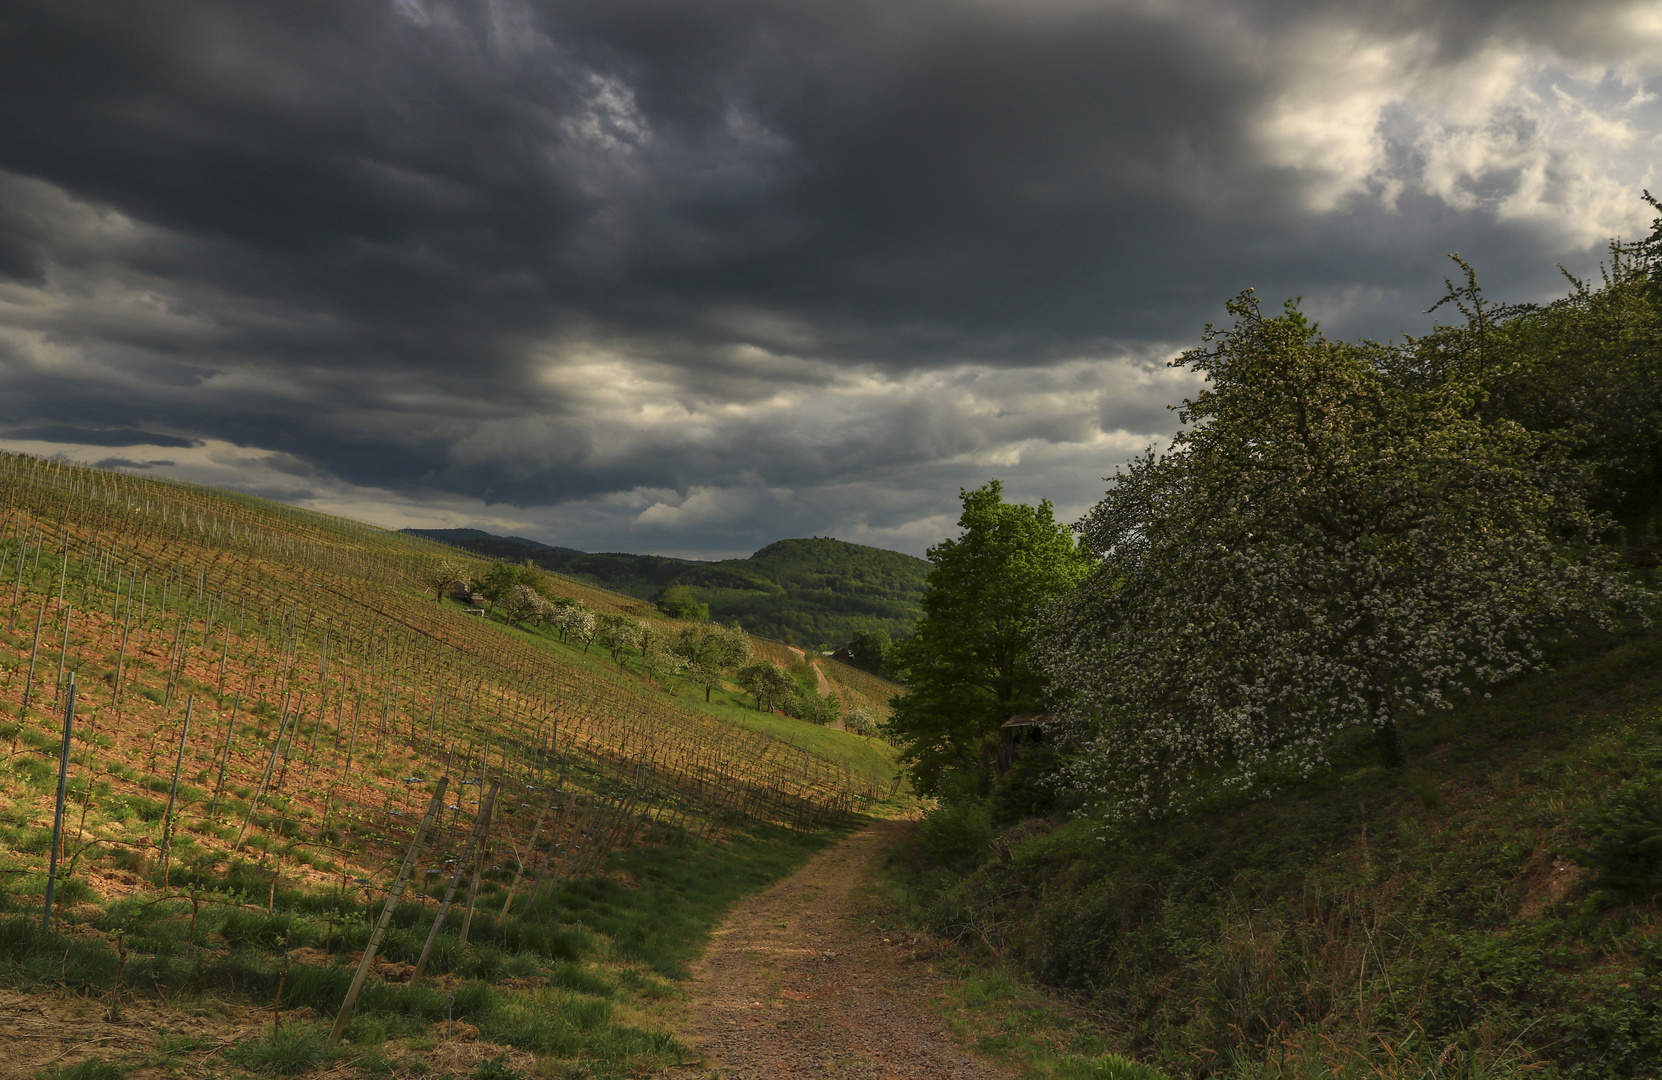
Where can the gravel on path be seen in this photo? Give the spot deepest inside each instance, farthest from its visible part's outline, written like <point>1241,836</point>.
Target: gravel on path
<point>799,982</point>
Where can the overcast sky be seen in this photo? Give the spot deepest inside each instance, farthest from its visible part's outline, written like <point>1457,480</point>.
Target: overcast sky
<point>689,276</point>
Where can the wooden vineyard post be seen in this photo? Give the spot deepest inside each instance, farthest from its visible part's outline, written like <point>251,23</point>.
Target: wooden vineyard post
<point>531,847</point>
<point>172,793</point>
<point>223,656</point>
<point>254,800</point>
<point>57,815</point>
<point>473,882</point>
<point>455,882</point>
<point>63,652</point>
<point>17,590</point>
<point>29,680</point>
<point>288,752</point>
<point>175,661</point>
<point>225,756</point>
<point>121,661</point>
<point>368,961</point>
<point>553,846</point>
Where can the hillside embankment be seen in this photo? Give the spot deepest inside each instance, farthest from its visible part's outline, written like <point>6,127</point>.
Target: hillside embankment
<point>1487,912</point>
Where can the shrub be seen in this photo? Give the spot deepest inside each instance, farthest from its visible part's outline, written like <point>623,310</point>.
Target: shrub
<point>955,835</point>
<point>1626,848</point>
<point>806,704</point>
<point>861,721</point>
<point>1030,788</point>
<point>678,602</point>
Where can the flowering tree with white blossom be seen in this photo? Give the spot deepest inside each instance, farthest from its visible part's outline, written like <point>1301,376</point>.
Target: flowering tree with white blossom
<point>521,603</point>
<point>575,622</point>
<point>1332,542</point>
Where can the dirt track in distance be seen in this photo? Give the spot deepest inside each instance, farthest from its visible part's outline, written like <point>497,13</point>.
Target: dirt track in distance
<point>798,982</point>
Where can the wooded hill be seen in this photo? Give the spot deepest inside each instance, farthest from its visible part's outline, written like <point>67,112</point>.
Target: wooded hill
<point>811,592</point>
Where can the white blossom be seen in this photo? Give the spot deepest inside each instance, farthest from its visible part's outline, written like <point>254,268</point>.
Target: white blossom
<point>1329,545</point>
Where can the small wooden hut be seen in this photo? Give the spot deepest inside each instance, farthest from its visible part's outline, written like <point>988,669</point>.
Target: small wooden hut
<point>1021,731</point>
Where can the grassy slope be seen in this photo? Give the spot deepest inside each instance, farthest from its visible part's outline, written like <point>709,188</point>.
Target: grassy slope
<point>851,685</point>
<point>580,983</point>
<point>857,687</point>
<point>1439,915</point>
<point>866,756</point>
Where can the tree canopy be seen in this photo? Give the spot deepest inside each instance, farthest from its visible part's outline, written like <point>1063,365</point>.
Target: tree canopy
<point>497,580</point>
<point>520,603</point>
<point>767,682</point>
<point>707,650</point>
<point>968,666</point>
<point>439,575</point>
<point>870,649</point>
<point>1342,537</point>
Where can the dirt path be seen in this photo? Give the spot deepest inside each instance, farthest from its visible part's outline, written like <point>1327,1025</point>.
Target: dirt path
<point>798,982</point>
<point>819,672</point>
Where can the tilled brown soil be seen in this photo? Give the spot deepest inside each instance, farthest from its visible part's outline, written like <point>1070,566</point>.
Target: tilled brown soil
<point>799,982</point>
<point>47,1029</point>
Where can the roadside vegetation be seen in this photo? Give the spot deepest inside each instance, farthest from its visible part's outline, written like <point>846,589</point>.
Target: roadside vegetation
<point>1344,755</point>
<point>576,987</point>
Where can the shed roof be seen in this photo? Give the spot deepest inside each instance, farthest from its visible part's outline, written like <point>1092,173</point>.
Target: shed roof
<point>1037,719</point>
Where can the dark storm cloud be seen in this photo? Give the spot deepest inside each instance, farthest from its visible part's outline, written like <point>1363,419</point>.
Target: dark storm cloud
<point>549,254</point>
<point>61,433</point>
<point>129,463</point>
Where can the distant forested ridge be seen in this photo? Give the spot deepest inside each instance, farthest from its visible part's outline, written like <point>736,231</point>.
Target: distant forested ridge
<point>507,548</point>
<point>816,591</point>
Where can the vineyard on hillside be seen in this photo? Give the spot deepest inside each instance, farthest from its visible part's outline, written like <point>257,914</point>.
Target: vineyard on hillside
<point>260,682</point>
<point>854,687</point>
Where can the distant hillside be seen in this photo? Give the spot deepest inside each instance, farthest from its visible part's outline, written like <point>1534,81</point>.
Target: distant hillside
<point>813,591</point>
<point>504,547</point>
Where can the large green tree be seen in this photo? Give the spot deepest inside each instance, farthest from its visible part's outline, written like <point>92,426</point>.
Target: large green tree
<point>1341,538</point>
<point>968,666</point>
<point>499,577</point>
<point>767,682</point>
<point>870,649</point>
<point>709,650</point>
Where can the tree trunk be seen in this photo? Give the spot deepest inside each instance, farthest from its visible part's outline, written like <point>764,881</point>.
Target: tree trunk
<point>1388,739</point>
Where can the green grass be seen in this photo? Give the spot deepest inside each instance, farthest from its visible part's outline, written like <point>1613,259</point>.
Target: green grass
<point>683,893</point>
<point>863,755</point>
<point>605,950</point>
<point>1444,914</point>
<point>290,1050</point>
